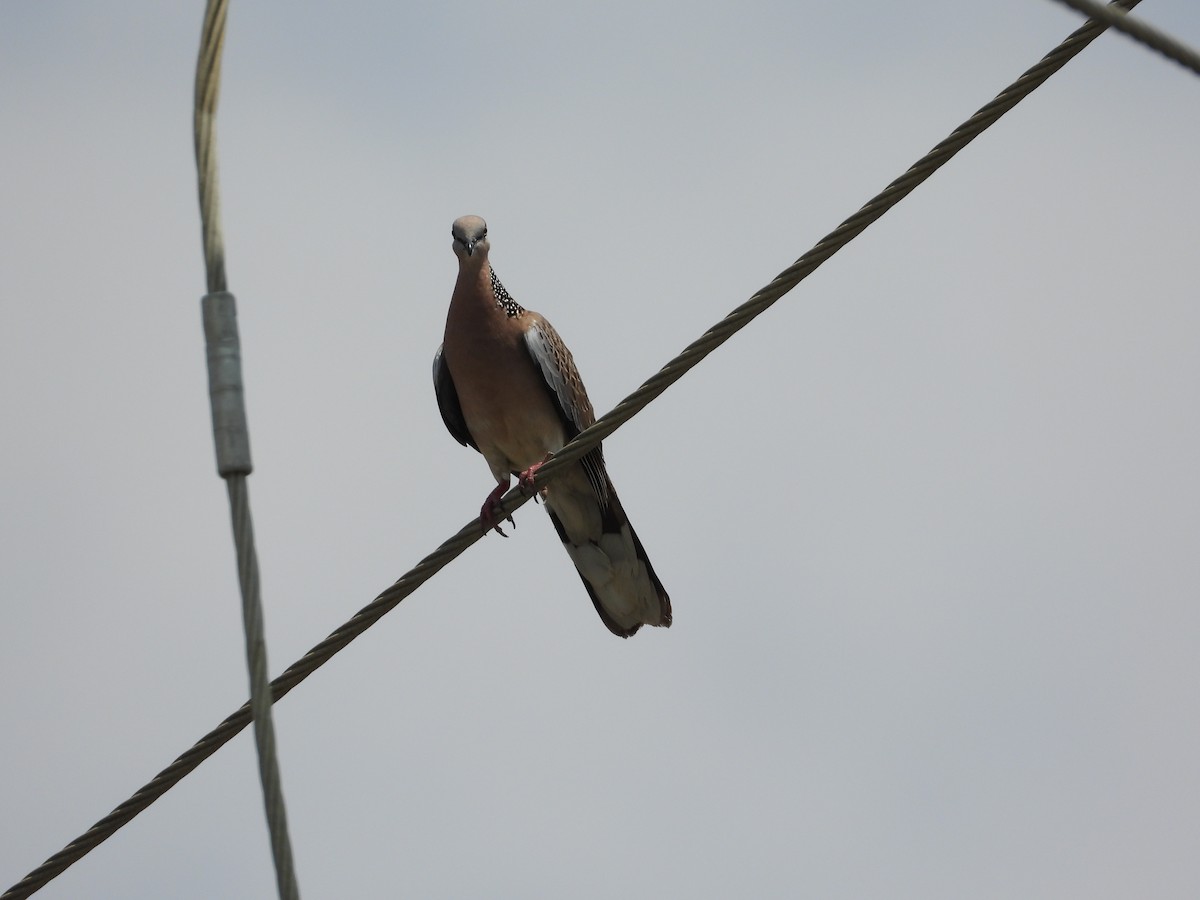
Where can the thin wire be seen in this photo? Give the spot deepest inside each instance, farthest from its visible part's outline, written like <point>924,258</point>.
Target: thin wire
<point>1139,31</point>
<point>260,688</point>
<point>472,532</point>
<point>208,81</point>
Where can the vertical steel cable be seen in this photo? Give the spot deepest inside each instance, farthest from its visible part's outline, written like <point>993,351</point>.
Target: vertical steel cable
<point>208,83</point>
<point>231,436</point>
<point>260,689</point>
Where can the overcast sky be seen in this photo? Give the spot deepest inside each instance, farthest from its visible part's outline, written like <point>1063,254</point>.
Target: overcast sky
<point>930,526</point>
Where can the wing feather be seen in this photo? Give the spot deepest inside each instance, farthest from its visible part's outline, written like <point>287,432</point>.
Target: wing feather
<point>557,366</point>
<point>447,401</point>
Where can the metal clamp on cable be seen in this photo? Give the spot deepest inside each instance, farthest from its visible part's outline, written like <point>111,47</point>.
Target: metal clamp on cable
<point>224,350</point>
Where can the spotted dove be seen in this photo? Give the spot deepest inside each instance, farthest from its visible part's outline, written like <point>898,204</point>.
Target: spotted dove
<point>506,385</point>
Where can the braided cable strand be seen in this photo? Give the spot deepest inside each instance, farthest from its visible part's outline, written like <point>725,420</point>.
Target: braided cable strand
<point>1139,31</point>
<point>606,425</point>
<point>208,85</point>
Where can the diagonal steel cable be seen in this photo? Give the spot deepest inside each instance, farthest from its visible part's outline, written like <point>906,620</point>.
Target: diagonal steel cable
<point>1140,31</point>
<point>583,442</point>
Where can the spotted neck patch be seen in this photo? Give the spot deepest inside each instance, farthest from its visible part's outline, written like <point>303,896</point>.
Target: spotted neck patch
<point>504,299</point>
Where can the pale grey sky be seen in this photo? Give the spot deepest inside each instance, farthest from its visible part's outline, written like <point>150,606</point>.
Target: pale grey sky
<point>929,526</point>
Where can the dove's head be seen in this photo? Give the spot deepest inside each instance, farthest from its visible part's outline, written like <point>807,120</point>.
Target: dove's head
<point>470,238</point>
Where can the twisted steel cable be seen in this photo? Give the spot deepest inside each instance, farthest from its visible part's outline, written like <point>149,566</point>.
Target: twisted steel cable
<point>208,86</point>
<point>1140,31</point>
